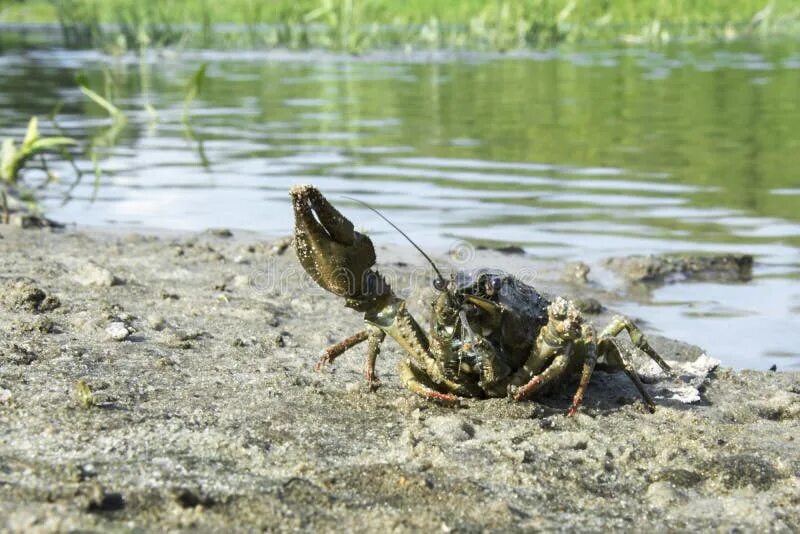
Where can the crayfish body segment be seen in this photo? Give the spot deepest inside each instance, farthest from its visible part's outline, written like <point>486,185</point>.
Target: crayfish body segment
<point>491,334</point>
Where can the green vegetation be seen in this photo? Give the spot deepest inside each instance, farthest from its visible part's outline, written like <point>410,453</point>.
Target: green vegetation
<point>114,112</point>
<point>105,140</point>
<point>15,160</point>
<point>84,395</point>
<point>192,90</point>
<point>18,160</point>
<point>355,25</point>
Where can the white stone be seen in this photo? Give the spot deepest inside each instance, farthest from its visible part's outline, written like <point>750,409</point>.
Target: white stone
<point>118,331</point>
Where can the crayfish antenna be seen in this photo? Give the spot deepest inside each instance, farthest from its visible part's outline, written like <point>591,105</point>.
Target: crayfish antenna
<point>441,284</point>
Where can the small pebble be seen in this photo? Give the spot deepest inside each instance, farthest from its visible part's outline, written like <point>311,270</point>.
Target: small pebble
<point>662,493</point>
<point>576,272</point>
<point>451,429</point>
<point>118,331</point>
<point>279,246</point>
<point>220,232</point>
<point>92,274</point>
<point>241,280</point>
<point>156,322</point>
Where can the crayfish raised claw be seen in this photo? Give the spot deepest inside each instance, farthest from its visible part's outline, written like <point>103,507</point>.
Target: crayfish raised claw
<point>491,334</point>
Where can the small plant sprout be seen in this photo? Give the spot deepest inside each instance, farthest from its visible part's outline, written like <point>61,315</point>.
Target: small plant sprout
<point>84,394</point>
<point>15,160</point>
<point>193,89</point>
<point>113,111</point>
<point>106,139</point>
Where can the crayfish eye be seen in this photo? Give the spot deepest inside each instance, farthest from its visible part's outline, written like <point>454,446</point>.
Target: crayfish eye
<point>439,284</point>
<point>492,286</point>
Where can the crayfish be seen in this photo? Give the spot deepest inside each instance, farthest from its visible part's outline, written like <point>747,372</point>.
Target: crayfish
<point>491,334</point>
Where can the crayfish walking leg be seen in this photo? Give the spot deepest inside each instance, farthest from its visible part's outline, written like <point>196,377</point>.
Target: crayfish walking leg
<point>372,334</point>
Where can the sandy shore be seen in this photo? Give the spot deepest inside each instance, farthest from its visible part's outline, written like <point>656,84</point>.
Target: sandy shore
<point>167,383</point>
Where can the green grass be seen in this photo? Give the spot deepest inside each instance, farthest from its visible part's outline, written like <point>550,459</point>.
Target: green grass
<point>355,25</point>
<point>15,160</point>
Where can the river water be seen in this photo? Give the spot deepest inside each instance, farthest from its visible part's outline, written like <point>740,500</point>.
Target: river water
<point>572,155</point>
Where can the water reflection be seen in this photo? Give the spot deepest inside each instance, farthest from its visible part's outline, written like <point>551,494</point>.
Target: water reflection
<point>572,155</point>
